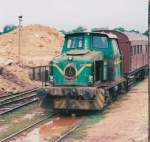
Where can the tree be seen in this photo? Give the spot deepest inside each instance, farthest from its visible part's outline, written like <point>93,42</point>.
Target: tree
<point>134,31</point>
<point>79,29</point>
<point>94,29</point>
<point>9,28</point>
<point>120,29</point>
<point>98,29</point>
<point>63,32</point>
<point>146,33</point>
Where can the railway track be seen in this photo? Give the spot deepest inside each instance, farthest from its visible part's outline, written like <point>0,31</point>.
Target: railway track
<point>12,95</point>
<point>36,124</point>
<point>6,139</point>
<point>14,101</point>
<point>67,133</point>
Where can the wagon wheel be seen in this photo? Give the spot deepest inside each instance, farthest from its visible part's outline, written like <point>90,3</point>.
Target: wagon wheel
<point>124,86</point>
<point>113,94</point>
<point>108,97</point>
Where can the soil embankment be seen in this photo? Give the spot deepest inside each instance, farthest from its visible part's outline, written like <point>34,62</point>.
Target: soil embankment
<point>38,45</point>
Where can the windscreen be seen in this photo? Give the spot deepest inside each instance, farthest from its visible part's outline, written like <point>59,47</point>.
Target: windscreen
<point>99,42</point>
<point>74,42</point>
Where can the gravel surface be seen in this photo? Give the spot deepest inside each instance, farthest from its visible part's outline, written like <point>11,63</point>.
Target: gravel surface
<point>125,121</point>
<point>49,131</point>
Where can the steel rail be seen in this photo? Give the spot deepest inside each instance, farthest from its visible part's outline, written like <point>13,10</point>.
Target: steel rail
<point>19,106</point>
<point>18,99</point>
<point>65,135</point>
<point>12,96</point>
<point>28,127</point>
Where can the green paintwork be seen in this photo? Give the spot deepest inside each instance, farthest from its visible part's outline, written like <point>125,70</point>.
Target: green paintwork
<point>83,60</point>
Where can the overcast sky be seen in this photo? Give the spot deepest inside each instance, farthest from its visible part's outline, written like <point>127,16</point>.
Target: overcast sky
<point>68,14</point>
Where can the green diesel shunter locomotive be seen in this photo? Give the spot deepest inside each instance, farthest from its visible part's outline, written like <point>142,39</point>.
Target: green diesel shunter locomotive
<point>88,73</point>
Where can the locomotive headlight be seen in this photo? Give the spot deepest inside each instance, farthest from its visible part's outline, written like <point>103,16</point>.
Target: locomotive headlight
<point>90,80</point>
<point>70,58</point>
<point>51,78</point>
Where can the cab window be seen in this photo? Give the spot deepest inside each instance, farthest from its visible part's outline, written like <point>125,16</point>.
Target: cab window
<point>115,47</point>
<point>75,42</point>
<point>99,42</point>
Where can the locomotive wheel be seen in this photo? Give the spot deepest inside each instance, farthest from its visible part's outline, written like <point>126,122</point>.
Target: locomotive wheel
<point>113,93</point>
<point>125,87</point>
<point>108,98</point>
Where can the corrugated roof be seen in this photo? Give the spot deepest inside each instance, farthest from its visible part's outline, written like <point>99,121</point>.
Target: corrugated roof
<point>132,36</point>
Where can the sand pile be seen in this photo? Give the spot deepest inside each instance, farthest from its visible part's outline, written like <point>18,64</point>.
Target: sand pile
<point>13,78</point>
<point>38,45</point>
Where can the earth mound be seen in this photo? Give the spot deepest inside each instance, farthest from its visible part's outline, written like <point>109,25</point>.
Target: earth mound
<point>38,45</point>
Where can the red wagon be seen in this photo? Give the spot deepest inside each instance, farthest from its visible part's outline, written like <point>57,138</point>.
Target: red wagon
<point>134,49</point>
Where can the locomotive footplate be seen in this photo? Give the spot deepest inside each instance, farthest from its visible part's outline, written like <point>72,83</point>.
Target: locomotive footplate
<point>83,98</point>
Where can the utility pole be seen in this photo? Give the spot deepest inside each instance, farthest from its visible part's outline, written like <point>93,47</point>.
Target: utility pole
<point>19,41</point>
<point>149,69</point>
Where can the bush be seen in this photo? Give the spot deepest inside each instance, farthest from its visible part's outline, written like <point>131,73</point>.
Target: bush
<point>9,28</point>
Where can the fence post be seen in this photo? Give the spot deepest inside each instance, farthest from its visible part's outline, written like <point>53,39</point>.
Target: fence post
<point>39,73</point>
<point>42,77</point>
<point>33,71</point>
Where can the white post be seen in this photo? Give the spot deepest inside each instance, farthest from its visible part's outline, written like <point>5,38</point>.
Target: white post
<point>19,41</point>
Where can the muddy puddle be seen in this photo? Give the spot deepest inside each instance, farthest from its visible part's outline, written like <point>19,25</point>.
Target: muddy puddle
<point>49,130</point>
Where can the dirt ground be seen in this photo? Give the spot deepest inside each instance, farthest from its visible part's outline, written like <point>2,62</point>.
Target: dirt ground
<point>125,121</point>
<point>49,131</point>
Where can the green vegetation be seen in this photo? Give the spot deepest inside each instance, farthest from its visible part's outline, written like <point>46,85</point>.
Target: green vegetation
<point>8,28</point>
<point>146,33</point>
<point>120,29</point>
<point>79,29</point>
<point>63,31</point>
<point>94,29</point>
<point>134,31</point>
